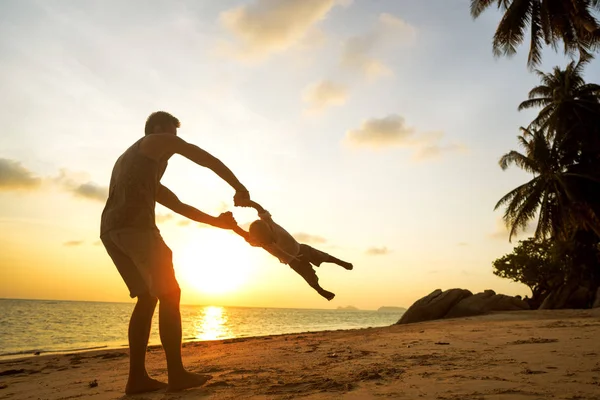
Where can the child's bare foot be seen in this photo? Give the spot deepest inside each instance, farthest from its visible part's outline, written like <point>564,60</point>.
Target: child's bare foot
<point>328,295</point>
<point>187,380</point>
<point>346,265</point>
<point>143,385</point>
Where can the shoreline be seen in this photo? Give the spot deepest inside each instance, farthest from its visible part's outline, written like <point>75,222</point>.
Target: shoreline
<point>31,354</point>
<point>505,355</point>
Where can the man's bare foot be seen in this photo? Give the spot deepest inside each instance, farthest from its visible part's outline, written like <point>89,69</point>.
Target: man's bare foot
<point>187,380</point>
<point>143,385</point>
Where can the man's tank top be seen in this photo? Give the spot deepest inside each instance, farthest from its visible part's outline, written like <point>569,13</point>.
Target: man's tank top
<point>132,193</point>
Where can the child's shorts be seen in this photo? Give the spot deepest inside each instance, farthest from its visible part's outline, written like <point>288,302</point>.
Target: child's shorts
<point>312,255</point>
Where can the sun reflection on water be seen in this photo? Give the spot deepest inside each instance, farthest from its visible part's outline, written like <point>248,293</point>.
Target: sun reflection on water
<point>212,324</point>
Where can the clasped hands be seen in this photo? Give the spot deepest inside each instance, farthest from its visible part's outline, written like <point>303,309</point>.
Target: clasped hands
<point>240,199</point>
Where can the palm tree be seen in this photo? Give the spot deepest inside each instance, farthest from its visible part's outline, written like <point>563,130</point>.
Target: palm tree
<point>570,111</point>
<point>552,194</point>
<point>549,22</point>
<point>544,192</point>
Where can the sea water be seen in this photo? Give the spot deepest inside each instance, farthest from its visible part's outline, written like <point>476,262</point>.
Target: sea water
<point>30,326</point>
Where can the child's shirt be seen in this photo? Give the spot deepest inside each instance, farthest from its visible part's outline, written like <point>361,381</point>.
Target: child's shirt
<point>285,248</point>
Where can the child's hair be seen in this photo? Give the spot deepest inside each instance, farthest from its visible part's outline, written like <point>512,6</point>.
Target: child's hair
<point>261,232</point>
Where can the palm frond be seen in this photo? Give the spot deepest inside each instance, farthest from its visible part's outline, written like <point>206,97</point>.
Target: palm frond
<point>511,29</point>
<point>535,47</point>
<point>520,192</point>
<point>532,103</point>
<point>520,160</point>
<point>479,6</point>
<point>526,210</point>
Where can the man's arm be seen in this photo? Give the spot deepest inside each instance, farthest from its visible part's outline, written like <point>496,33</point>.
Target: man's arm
<point>163,146</point>
<point>168,199</point>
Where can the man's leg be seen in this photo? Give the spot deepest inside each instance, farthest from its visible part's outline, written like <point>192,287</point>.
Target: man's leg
<point>141,317</point>
<point>169,322</point>
<point>139,333</point>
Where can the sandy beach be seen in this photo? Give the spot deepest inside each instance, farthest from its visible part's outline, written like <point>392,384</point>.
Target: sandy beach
<point>518,355</point>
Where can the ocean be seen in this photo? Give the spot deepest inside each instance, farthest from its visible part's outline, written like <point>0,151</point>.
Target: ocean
<point>50,326</point>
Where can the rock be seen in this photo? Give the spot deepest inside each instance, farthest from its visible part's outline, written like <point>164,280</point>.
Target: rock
<point>597,301</point>
<point>582,297</point>
<point>569,295</point>
<point>482,303</point>
<point>433,306</point>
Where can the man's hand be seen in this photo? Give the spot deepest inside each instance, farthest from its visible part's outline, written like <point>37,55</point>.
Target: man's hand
<point>253,243</point>
<point>241,198</point>
<point>225,221</point>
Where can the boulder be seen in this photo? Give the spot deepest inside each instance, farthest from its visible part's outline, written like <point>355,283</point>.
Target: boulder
<point>568,295</point>
<point>433,306</point>
<point>597,301</point>
<point>485,302</point>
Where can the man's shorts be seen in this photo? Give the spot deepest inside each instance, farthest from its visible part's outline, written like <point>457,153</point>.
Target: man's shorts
<point>312,255</point>
<point>143,259</point>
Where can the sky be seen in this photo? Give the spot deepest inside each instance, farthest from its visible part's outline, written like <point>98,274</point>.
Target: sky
<point>371,130</point>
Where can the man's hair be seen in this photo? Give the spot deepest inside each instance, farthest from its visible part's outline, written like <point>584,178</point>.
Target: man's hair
<point>261,231</point>
<point>160,118</point>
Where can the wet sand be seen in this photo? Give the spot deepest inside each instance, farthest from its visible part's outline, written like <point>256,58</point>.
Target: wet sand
<point>517,355</point>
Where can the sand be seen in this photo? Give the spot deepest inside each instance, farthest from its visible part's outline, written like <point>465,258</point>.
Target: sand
<point>518,355</point>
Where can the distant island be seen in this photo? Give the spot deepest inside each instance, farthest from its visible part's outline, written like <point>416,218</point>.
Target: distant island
<point>391,309</point>
<point>348,308</point>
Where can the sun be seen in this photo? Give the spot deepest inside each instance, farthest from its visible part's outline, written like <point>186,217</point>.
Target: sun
<point>213,261</point>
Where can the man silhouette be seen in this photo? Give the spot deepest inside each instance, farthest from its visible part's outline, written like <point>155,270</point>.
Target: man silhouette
<point>129,233</point>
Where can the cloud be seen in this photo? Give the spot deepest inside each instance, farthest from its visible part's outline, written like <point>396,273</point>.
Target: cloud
<point>265,27</point>
<point>501,231</point>
<point>70,182</point>
<point>97,243</point>
<point>13,176</point>
<point>435,151</point>
<point>184,222</point>
<point>382,132</point>
<point>73,243</point>
<point>223,207</point>
<point>324,94</point>
<point>462,244</point>
<point>308,238</point>
<point>392,131</point>
<point>378,251</point>
<point>91,191</point>
<point>160,218</point>
<point>357,53</point>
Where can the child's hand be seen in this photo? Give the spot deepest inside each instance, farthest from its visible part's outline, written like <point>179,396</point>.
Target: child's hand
<point>225,221</point>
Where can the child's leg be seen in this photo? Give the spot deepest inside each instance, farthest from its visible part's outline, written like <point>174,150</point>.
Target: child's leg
<point>316,257</point>
<point>339,262</point>
<point>304,269</point>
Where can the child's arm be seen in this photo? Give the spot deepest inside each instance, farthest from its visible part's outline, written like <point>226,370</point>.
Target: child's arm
<point>245,235</point>
<point>241,232</point>
<point>262,213</point>
<point>257,207</point>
